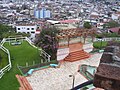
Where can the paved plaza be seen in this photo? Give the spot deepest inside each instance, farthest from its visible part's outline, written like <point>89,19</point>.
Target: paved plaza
<point>58,78</point>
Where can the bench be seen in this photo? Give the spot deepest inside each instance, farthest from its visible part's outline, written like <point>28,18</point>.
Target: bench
<point>30,71</point>
<point>16,43</point>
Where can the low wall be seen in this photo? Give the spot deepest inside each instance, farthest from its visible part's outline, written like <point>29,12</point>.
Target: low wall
<point>36,67</point>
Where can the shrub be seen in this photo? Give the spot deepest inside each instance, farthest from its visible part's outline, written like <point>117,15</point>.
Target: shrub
<point>87,25</point>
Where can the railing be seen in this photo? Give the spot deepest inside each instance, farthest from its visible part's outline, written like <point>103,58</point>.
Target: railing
<point>9,66</point>
<point>45,55</point>
<point>3,41</point>
<point>30,42</point>
<point>7,51</point>
<point>6,68</point>
<point>108,39</point>
<point>82,85</point>
<point>1,73</point>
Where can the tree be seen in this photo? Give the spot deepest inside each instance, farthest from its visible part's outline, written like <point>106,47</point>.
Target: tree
<point>111,24</point>
<point>48,42</point>
<point>69,14</point>
<point>5,31</point>
<point>119,32</point>
<point>87,25</point>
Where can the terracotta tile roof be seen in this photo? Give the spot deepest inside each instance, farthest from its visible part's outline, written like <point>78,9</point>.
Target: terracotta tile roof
<point>116,29</point>
<point>94,16</point>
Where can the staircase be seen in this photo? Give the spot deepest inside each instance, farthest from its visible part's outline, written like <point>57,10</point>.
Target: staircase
<point>77,55</point>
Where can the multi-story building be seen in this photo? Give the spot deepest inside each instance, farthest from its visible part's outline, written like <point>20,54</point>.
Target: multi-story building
<point>27,28</point>
<point>42,13</point>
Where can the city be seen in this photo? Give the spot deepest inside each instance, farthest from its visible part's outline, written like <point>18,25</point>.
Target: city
<point>59,44</point>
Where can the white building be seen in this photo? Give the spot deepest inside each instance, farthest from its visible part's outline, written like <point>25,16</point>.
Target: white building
<point>100,25</point>
<point>27,28</point>
<point>115,16</point>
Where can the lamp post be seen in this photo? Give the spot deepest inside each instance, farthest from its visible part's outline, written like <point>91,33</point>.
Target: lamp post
<point>73,80</point>
<point>73,75</point>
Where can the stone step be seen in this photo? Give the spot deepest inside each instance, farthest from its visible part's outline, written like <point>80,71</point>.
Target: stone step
<point>78,55</point>
<point>76,59</point>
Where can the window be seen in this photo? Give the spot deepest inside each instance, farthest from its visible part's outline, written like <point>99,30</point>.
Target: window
<point>18,28</point>
<point>28,29</point>
<point>32,32</point>
<point>28,32</point>
<point>32,28</point>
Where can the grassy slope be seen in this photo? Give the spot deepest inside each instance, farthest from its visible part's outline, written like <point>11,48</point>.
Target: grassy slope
<point>4,60</point>
<point>20,54</point>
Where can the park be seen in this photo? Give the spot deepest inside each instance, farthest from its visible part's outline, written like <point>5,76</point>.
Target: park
<point>23,58</point>
<point>20,54</point>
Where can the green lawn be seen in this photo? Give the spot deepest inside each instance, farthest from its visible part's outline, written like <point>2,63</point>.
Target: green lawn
<point>99,45</point>
<point>20,55</point>
<point>4,59</point>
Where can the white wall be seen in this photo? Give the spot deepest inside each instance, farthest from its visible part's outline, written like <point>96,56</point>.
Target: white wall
<point>25,29</point>
<point>114,16</point>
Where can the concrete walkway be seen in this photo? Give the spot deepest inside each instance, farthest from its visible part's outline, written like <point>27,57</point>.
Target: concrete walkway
<point>58,78</point>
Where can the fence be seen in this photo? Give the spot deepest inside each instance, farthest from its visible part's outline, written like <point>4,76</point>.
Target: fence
<point>9,66</point>
<point>108,39</point>
<point>3,41</point>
